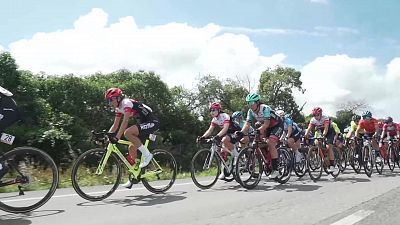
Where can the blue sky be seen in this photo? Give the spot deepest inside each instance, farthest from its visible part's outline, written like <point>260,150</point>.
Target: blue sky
<point>374,23</point>
<point>347,50</point>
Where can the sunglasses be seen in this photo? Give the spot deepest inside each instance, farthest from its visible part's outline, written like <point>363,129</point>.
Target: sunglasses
<point>251,103</point>
<point>213,110</point>
<point>109,100</point>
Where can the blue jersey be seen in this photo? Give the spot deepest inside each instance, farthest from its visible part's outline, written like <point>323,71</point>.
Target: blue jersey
<point>289,122</point>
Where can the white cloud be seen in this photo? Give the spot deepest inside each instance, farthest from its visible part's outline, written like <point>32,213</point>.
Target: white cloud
<point>1,48</point>
<point>176,51</point>
<point>331,80</point>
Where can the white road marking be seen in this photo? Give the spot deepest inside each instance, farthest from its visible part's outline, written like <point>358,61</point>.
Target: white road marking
<point>353,218</point>
<point>71,195</point>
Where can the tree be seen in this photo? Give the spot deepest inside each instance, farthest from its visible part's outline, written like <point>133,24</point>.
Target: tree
<point>276,87</point>
<point>9,76</point>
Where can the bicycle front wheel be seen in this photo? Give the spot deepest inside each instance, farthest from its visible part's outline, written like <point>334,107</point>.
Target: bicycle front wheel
<point>314,163</point>
<point>160,174</point>
<point>205,168</point>
<point>368,161</point>
<point>30,179</point>
<point>249,168</point>
<point>95,185</point>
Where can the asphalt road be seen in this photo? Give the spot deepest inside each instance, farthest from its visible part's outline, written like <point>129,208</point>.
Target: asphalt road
<point>350,199</point>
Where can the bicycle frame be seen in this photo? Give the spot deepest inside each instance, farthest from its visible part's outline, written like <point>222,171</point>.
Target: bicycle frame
<point>134,170</point>
<point>214,150</point>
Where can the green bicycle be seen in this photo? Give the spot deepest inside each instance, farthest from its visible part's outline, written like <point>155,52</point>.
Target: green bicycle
<point>97,173</point>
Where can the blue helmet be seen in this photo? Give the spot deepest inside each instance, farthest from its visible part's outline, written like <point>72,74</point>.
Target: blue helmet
<point>367,114</point>
<point>237,115</point>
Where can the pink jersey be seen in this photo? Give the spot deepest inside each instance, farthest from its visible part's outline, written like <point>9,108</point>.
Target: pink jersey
<point>391,128</point>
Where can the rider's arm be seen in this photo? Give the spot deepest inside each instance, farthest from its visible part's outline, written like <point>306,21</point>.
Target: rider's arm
<point>265,125</point>
<point>289,131</point>
<point>124,124</point>
<point>326,129</point>
<point>222,132</point>
<point>308,130</point>
<point>357,130</point>
<point>115,125</point>
<point>209,131</point>
<point>246,127</point>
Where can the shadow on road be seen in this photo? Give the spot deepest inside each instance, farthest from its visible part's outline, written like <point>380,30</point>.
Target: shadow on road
<point>22,219</point>
<point>140,200</point>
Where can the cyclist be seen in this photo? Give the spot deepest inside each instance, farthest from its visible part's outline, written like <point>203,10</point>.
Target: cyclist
<point>338,140</point>
<point>126,108</point>
<point>9,114</point>
<point>222,120</point>
<point>322,126</point>
<point>353,127</point>
<point>238,118</point>
<point>390,131</point>
<point>291,134</point>
<point>371,127</point>
<point>271,126</point>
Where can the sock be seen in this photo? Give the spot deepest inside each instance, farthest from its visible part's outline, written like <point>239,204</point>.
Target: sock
<point>144,150</point>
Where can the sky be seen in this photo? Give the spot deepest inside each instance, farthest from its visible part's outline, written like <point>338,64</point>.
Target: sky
<point>347,50</point>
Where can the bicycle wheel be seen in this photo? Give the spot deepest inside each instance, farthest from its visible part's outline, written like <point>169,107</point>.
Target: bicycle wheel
<point>249,168</point>
<point>284,167</point>
<point>315,163</point>
<point>342,160</point>
<point>91,185</point>
<point>367,161</point>
<point>356,159</point>
<point>337,162</point>
<point>205,168</point>
<point>392,158</point>
<point>300,168</point>
<point>160,174</point>
<point>379,164</point>
<point>30,181</point>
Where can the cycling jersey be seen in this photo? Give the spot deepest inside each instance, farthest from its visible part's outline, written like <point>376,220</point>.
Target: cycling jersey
<point>224,118</point>
<point>264,113</point>
<point>139,110</point>
<point>320,124</point>
<point>368,125</point>
<point>289,122</point>
<point>391,128</point>
<point>335,128</point>
<point>354,126</point>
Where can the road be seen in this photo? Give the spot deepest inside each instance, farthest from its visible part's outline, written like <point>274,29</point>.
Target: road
<point>350,199</point>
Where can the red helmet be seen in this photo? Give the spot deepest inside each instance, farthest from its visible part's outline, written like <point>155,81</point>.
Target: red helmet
<point>112,92</point>
<point>316,111</point>
<point>216,105</point>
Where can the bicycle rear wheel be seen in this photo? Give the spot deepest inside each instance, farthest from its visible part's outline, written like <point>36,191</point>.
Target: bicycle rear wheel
<point>205,168</point>
<point>379,164</point>
<point>356,159</point>
<point>249,168</point>
<point>30,180</point>
<point>300,168</point>
<point>91,185</point>
<point>314,163</point>
<point>284,167</point>
<point>160,174</point>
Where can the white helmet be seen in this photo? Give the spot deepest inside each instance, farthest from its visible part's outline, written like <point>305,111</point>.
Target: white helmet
<point>280,113</point>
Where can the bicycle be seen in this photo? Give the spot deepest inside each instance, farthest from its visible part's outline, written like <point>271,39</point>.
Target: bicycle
<point>97,173</point>
<point>207,163</point>
<point>252,162</point>
<point>355,154</point>
<point>369,157</point>
<point>29,178</point>
<point>317,160</point>
<point>393,154</point>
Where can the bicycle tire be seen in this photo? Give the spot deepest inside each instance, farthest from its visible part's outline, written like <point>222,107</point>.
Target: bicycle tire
<point>15,154</point>
<point>247,173</point>
<point>284,168</point>
<point>300,169</point>
<point>356,160</point>
<point>165,160</point>
<point>391,159</point>
<point>89,172</point>
<point>314,163</point>
<point>367,161</point>
<point>197,166</point>
<point>337,162</point>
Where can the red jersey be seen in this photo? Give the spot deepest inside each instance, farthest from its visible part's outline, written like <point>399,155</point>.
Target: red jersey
<point>368,125</point>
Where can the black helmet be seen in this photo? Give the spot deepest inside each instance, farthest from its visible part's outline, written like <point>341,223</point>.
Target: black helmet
<point>356,117</point>
<point>388,119</point>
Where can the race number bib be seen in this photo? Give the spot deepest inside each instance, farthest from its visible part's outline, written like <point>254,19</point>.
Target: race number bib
<point>7,138</point>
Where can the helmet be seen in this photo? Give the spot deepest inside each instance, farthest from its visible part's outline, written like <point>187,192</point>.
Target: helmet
<point>316,111</point>
<point>215,105</point>
<point>253,97</point>
<point>356,117</point>
<point>366,114</point>
<point>237,115</point>
<point>280,113</point>
<point>288,115</point>
<point>112,92</point>
<point>388,119</point>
